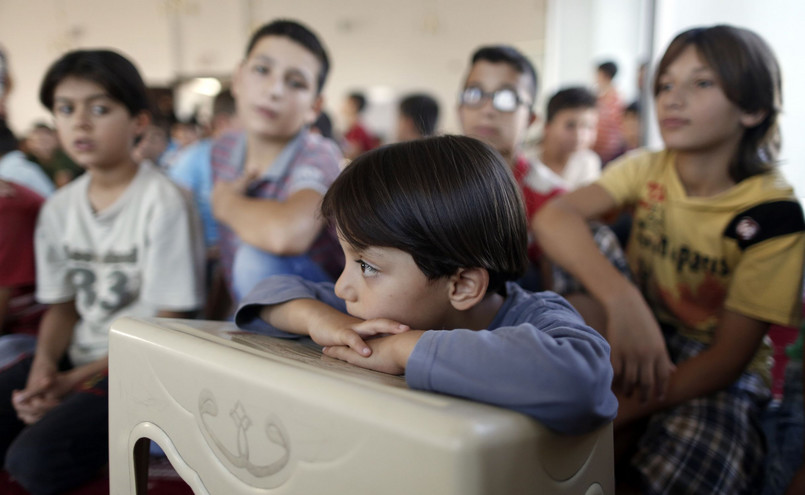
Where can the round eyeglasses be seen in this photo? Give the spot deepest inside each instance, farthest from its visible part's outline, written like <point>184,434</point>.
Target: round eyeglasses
<point>503,100</point>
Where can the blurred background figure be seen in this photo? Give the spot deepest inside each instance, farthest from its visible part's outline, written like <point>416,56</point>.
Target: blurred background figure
<point>357,138</point>
<point>42,147</point>
<point>153,143</point>
<point>417,117</point>
<point>609,143</point>
<point>323,125</point>
<point>15,167</point>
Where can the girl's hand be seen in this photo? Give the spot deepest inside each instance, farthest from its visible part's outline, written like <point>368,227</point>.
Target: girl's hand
<point>388,354</point>
<point>639,356</point>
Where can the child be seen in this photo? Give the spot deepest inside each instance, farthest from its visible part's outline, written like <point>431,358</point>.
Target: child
<point>570,128</point>
<point>119,240</point>
<point>417,117</point>
<point>434,231</point>
<point>609,141</point>
<point>495,106</point>
<point>357,138</point>
<point>716,252</point>
<point>270,177</point>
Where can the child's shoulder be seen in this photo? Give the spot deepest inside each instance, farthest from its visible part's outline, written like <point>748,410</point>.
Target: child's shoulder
<point>524,306</point>
<point>316,143</point>
<point>69,194</point>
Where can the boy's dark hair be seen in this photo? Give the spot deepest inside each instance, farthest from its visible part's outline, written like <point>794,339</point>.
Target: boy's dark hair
<point>8,141</point>
<point>324,125</point>
<point>359,99</point>
<point>511,56</point>
<point>633,108</point>
<point>749,75</point>
<point>423,110</point>
<point>450,202</point>
<point>108,69</point>
<point>297,33</point>
<point>570,99</point>
<point>609,68</point>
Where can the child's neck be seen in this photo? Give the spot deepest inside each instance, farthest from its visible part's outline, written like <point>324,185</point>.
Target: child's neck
<point>554,159</point>
<point>480,316</point>
<point>108,184</point>
<point>261,153</point>
<point>705,173</point>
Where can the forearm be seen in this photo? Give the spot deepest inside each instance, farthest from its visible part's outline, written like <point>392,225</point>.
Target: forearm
<point>301,316</point>
<point>82,373</point>
<point>55,332</point>
<point>269,225</point>
<point>558,226</point>
<point>735,342</point>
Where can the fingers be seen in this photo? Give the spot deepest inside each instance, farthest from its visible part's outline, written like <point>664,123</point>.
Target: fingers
<point>341,352</point>
<point>663,372</point>
<point>379,326</point>
<point>356,343</point>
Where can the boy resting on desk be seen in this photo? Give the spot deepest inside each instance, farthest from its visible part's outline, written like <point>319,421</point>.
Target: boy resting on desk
<point>434,233</point>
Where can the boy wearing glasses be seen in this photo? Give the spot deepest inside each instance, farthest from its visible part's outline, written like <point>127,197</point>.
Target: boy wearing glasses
<point>495,106</point>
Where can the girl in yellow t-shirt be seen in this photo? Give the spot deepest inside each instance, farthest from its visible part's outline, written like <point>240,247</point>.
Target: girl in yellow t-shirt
<point>716,253</point>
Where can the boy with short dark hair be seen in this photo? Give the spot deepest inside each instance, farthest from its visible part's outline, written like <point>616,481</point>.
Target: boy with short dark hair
<point>569,132</point>
<point>121,240</point>
<point>496,106</point>
<point>270,177</point>
<point>417,117</point>
<point>434,231</point>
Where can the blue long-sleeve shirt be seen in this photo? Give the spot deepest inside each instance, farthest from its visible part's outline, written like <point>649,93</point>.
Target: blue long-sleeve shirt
<point>537,357</point>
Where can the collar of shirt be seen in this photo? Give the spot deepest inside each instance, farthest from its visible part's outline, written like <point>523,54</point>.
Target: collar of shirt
<point>280,165</point>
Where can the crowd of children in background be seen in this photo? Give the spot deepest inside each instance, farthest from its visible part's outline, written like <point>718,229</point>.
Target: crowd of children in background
<point>271,219</point>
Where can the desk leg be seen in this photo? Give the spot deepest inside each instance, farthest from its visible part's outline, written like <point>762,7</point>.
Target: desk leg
<point>141,459</point>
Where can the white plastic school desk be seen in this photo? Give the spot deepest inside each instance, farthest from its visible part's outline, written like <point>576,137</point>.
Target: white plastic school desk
<point>248,414</point>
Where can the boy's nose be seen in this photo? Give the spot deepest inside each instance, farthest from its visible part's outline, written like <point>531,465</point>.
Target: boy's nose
<point>343,289</point>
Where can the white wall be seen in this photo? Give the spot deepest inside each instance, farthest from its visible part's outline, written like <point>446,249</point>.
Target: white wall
<point>386,47</point>
<point>779,22</point>
<point>580,34</point>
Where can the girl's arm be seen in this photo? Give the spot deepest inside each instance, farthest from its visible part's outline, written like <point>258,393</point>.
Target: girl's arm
<point>736,341</point>
<point>639,357</point>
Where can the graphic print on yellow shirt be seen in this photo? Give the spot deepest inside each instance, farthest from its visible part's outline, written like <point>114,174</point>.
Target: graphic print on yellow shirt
<point>691,257</point>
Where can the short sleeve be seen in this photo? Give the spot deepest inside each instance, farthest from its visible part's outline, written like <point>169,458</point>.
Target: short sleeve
<point>767,282</point>
<point>52,284</point>
<point>174,261</point>
<point>316,167</point>
<point>623,178</point>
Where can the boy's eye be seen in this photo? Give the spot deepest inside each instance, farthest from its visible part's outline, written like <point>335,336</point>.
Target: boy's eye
<point>704,83</point>
<point>99,110</point>
<point>64,109</point>
<point>297,83</point>
<point>260,69</point>
<point>366,268</point>
<point>664,86</point>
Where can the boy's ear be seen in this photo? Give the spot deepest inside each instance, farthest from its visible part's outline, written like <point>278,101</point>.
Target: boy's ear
<point>141,122</point>
<point>315,110</point>
<point>467,287</point>
<point>750,120</point>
